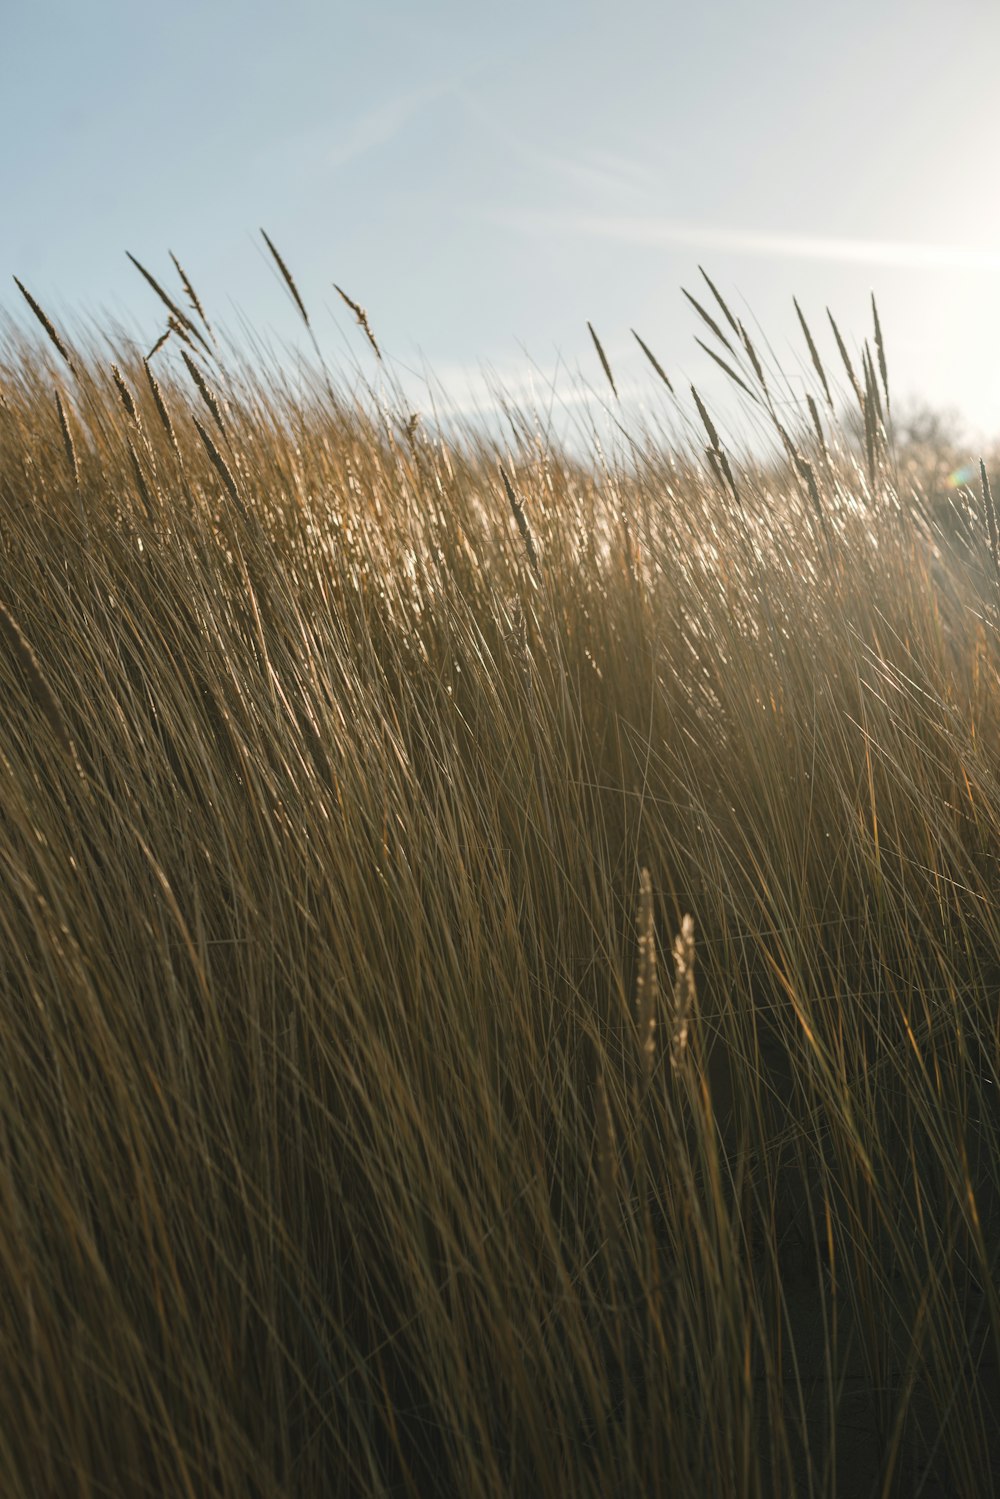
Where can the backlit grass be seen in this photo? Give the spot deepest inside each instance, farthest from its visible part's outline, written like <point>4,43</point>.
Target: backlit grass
<point>499,950</point>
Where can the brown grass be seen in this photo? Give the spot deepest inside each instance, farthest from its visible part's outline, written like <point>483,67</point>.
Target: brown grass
<point>332,1157</point>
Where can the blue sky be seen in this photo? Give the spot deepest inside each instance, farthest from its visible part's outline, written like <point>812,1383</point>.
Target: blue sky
<point>484,179</point>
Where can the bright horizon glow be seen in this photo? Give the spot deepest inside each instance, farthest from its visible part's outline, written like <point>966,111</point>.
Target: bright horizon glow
<point>652,232</point>
<point>485,192</point>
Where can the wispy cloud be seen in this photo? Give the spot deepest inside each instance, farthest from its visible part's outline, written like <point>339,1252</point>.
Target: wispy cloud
<point>322,150</point>
<point>597,171</point>
<point>658,233</point>
<point>376,127</point>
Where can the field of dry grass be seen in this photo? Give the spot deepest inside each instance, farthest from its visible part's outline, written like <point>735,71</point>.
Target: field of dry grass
<point>499,950</point>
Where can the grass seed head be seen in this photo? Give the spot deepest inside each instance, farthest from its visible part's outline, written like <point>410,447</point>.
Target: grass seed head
<point>46,324</point>
<point>684,991</point>
<point>287,277</point>
<point>653,361</point>
<point>361,316</point>
<point>68,443</point>
<point>604,360</point>
<point>179,316</point>
<point>125,395</point>
<point>647,987</point>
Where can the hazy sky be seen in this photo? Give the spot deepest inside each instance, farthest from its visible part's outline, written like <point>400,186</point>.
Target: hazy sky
<point>485,178</point>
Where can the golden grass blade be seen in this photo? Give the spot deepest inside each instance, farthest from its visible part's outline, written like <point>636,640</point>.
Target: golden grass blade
<point>68,443</point>
<point>714,455</point>
<point>707,422</point>
<point>727,473</point>
<point>159,343</point>
<point>868,412</point>
<point>287,277</point>
<point>192,295</point>
<point>653,361</point>
<point>176,312</point>
<point>786,441</point>
<point>141,485</point>
<point>522,522</point>
<point>361,316</point>
<point>817,424</point>
<point>684,992</point>
<point>752,355</point>
<point>161,409</point>
<point>647,987</point>
<point>204,390</point>
<point>872,416</point>
<point>723,307</point>
<point>604,360</point>
<point>871,385</point>
<point>813,353</point>
<point>848,366</point>
<point>707,318</point>
<point>808,473</point>
<point>179,331</point>
<point>736,379</point>
<point>221,468</point>
<point>125,395</point>
<point>880,346</point>
<point>46,324</point>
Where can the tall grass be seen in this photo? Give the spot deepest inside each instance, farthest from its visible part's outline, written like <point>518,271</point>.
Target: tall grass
<point>499,952</point>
